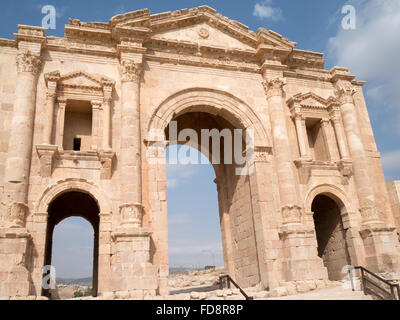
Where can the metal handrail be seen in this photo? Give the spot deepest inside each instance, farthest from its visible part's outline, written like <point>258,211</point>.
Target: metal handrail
<point>393,286</point>
<point>229,280</point>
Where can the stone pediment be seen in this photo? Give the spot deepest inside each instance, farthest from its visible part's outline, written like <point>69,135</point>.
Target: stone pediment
<point>202,25</point>
<point>311,100</point>
<point>203,34</point>
<point>80,79</point>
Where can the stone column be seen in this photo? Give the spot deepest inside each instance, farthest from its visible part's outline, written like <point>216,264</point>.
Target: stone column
<point>379,239</point>
<point>130,173</point>
<point>21,135</point>
<point>51,80</point>
<point>225,224</point>
<point>360,162</point>
<point>96,138</point>
<point>328,140</point>
<point>299,245</point>
<point>62,103</point>
<point>107,117</point>
<point>282,152</point>
<point>133,268</point>
<point>14,239</point>
<point>301,136</point>
<point>337,125</point>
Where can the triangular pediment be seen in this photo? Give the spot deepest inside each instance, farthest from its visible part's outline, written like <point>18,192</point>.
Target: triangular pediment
<point>311,100</point>
<point>80,79</point>
<point>203,34</point>
<point>200,25</point>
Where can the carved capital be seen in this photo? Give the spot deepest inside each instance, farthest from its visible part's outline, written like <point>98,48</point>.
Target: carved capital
<point>262,154</point>
<point>274,87</point>
<point>16,214</point>
<point>368,210</point>
<point>28,62</point>
<point>291,214</point>
<point>131,215</point>
<point>106,160</point>
<point>130,71</point>
<point>344,92</point>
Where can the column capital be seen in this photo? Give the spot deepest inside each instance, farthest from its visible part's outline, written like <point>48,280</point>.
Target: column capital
<point>344,91</point>
<point>28,62</point>
<point>131,214</point>
<point>62,102</point>
<point>96,104</point>
<point>131,71</point>
<point>274,87</point>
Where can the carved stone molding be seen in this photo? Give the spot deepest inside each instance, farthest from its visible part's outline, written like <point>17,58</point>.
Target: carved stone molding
<point>28,62</point>
<point>262,154</point>
<point>304,170</point>
<point>291,214</point>
<point>15,215</point>
<point>274,87</point>
<point>106,160</point>
<point>130,71</point>
<point>131,215</point>
<point>344,92</point>
<point>46,155</point>
<point>346,169</point>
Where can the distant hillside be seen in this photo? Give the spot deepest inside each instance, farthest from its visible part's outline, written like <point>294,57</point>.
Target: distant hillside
<point>173,270</point>
<point>80,282</point>
<point>88,281</point>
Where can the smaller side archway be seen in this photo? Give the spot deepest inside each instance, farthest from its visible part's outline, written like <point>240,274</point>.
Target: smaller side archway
<point>327,204</point>
<point>41,220</point>
<point>74,204</point>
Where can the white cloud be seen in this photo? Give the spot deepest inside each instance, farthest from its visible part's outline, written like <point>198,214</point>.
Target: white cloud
<point>266,10</point>
<point>391,161</point>
<point>178,219</point>
<point>172,183</point>
<point>372,50</point>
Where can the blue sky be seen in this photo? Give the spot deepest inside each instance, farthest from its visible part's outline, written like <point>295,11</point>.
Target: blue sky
<point>371,52</point>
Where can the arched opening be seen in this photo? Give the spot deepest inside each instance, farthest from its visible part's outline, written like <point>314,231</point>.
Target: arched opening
<point>331,235</point>
<point>193,216</point>
<point>73,204</point>
<point>234,191</point>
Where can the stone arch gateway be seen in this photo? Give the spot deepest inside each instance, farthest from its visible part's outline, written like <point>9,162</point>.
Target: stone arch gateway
<point>136,74</point>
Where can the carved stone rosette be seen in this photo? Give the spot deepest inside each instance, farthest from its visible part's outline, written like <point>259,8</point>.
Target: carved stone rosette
<point>274,87</point>
<point>130,71</point>
<point>291,214</point>
<point>28,62</point>
<point>131,215</point>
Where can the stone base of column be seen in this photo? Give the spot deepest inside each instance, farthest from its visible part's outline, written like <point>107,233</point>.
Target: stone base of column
<point>14,277</point>
<point>381,247</point>
<point>301,261</point>
<point>131,267</point>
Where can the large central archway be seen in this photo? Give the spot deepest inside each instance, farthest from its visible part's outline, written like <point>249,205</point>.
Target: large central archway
<point>194,110</point>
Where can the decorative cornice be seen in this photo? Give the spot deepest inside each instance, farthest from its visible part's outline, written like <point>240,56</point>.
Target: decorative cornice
<point>28,62</point>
